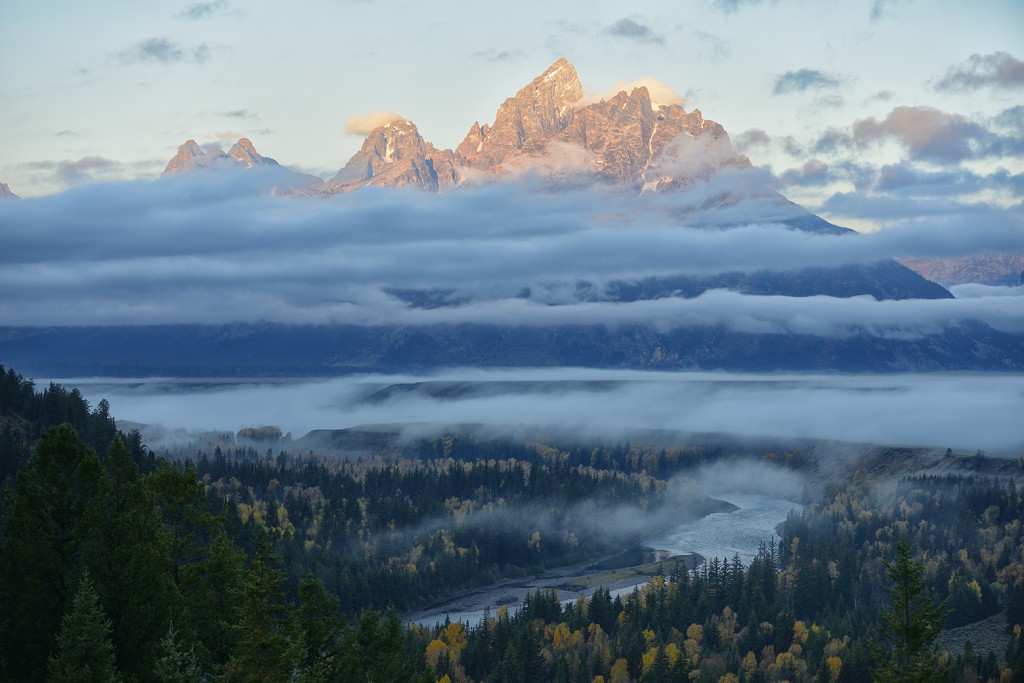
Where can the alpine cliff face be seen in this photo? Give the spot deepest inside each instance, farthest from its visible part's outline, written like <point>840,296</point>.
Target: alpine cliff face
<point>396,155</point>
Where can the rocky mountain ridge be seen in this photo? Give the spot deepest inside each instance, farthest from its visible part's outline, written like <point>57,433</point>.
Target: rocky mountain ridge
<point>985,269</point>
<point>547,127</point>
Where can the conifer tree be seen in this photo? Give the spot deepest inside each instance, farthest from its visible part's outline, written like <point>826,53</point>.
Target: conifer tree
<point>911,626</point>
<point>85,653</point>
<point>127,554</point>
<point>268,648</point>
<point>43,532</point>
<point>174,663</point>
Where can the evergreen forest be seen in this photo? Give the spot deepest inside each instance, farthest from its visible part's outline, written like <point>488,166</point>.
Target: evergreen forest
<point>239,563</point>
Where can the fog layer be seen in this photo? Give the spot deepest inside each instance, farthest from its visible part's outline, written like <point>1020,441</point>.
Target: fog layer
<point>958,411</point>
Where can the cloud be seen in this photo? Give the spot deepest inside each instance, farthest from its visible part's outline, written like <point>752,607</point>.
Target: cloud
<point>805,79</point>
<point>72,172</point>
<point>711,47</point>
<point>880,8</point>
<point>750,139</point>
<point>997,70</point>
<point>730,6</point>
<point>632,30</point>
<point>960,411</point>
<point>216,249</point>
<point>930,134</point>
<point>365,124</point>
<point>493,55</point>
<point>164,51</point>
<point>202,10</point>
<point>241,114</point>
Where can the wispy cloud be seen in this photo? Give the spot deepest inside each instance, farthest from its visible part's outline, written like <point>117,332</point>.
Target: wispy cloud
<point>711,47</point>
<point>203,10</point>
<point>164,51</point>
<point>494,55</point>
<point>730,6</point>
<point>997,70</point>
<point>805,79</point>
<point>632,30</point>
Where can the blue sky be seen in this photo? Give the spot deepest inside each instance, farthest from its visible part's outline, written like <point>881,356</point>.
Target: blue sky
<point>862,109</point>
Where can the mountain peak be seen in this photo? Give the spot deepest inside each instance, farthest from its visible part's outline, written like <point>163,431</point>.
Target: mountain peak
<point>245,153</point>
<point>5,192</point>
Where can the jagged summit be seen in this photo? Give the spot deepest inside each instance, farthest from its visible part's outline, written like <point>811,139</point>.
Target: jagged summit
<point>5,192</point>
<point>245,153</point>
<point>396,155</point>
<point>242,155</point>
<point>626,139</point>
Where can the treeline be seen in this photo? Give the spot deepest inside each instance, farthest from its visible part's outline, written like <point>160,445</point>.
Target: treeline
<point>25,413</point>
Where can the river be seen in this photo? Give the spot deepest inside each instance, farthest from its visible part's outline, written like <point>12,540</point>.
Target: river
<point>722,534</point>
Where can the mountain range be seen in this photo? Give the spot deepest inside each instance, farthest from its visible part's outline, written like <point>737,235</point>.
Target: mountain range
<point>551,133</point>
<point>550,127</point>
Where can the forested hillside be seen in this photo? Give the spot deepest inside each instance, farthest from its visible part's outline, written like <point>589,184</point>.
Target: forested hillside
<point>241,565</point>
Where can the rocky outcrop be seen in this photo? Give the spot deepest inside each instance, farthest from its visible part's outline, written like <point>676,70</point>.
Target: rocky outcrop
<point>5,192</point>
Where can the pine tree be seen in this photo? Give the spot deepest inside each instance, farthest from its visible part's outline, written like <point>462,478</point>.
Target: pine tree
<point>43,532</point>
<point>85,653</point>
<point>174,663</point>
<point>911,626</point>
<point>268,648</point>
<point>126,552</point>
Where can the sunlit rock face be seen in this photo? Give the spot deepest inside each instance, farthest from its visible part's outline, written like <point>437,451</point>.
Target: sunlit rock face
<point>396,155</point>
<point>5,192</point>
<point>549,127</point>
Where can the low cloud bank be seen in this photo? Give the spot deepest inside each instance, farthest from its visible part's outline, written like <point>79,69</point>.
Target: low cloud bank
<point>959,411</point>
<point>214,248</point>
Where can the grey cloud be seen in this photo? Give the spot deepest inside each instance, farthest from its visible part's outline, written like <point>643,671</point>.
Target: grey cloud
<point>998,70</point>
<point>832,141</point>
<point>244,114</point>
<point>730,6</point>
<point>493,55</point>
<point>632,30</point>
<point>880,8</point>
<point>204,10</point>
<point>216,248</point>
<point>930,134</point>
<point>75,171</point>
<point>750,139</point>
<point>164,51</point>
<point>830,101</point>
<point>805,79</point>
